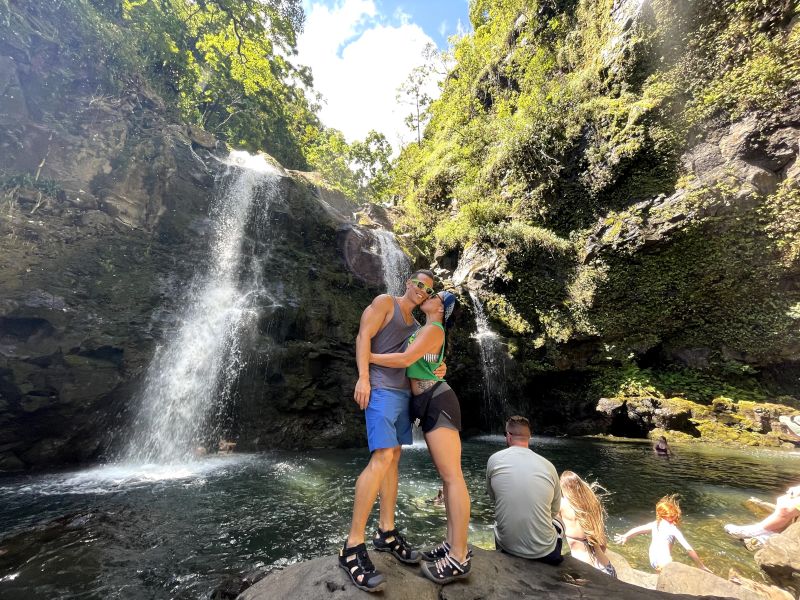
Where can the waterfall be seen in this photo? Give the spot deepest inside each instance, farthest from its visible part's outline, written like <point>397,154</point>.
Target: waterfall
<point>188,382</point>
<point>495,394</point>
<point>396,265</point>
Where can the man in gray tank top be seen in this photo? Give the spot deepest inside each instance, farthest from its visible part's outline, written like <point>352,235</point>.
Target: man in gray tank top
<point>383,394</point>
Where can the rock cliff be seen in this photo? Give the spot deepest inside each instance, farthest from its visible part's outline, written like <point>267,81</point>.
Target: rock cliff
<point>105,219</point>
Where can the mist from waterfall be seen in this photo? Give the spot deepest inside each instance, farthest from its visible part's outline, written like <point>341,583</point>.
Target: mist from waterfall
<point>188,382</point>
<point>495,391</point>
<point>396,266</point>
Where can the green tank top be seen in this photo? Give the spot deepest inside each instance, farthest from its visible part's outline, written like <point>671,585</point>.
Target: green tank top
<point>425,366</point>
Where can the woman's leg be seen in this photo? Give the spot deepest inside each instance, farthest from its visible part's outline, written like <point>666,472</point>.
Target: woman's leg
<point>445,447</point>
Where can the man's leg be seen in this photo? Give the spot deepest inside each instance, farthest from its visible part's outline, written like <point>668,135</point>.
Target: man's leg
<point>388,491</point>
<point>367,487</point>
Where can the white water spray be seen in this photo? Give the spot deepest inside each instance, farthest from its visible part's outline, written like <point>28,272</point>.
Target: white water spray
<point>189,380</point>
<point>396,266</point>
<point>495,393</point>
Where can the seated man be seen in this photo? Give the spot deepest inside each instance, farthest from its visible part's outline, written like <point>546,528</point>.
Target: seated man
<point>787,509</point>
<point>527,497</point>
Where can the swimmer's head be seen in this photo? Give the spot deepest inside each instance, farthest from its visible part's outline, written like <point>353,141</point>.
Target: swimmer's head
<point>669,509</point>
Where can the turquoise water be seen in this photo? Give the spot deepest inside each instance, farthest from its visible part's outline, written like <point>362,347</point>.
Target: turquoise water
<point>133,532</point>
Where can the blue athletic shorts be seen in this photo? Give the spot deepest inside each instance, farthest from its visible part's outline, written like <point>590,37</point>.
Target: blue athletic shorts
<point>388,420</point>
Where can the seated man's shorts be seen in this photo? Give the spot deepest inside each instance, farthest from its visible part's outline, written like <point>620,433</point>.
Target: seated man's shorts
<point>388,421</point>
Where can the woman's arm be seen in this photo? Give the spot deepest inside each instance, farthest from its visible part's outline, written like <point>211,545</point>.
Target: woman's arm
<point>428,341</point>
<point>621,539</point>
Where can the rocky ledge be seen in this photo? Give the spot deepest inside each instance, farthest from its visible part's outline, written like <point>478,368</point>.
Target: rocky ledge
<point>494,576</point>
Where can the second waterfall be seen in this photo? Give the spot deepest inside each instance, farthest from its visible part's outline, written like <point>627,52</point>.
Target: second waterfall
<point>188,383</point>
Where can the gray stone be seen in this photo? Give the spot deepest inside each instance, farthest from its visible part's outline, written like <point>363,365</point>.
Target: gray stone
<point>780,558</point>
<point>626,573</point>
<point>677,578</point>
<point>495,576</point>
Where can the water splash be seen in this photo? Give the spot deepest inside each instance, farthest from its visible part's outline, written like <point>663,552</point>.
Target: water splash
<point>495,391</point>
<point>396,266</point>
<point>189,380</point>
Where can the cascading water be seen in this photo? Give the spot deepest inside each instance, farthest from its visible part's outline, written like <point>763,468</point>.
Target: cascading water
<point>396,265</point>
<point>189,380</point>
<point>495,394</point>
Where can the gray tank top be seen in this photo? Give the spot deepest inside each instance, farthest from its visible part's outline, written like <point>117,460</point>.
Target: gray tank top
<point>392,338</point>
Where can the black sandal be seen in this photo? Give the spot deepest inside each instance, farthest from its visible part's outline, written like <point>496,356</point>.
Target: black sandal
<point>440,551</point>
<point>356,562</point>
<point>391,541</point>
<point>446,569</point>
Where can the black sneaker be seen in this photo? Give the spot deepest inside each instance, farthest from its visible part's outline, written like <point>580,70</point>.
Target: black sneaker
<point>391,541</point>
<point>447,569</point>
<point>357,564</point>
<point>440,551</point>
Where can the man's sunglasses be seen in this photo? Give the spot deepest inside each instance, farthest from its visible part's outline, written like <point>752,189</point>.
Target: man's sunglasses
<point>420,285</point>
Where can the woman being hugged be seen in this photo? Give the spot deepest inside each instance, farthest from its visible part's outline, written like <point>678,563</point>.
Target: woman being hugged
<point>436,407</point>
<point>584,521</point>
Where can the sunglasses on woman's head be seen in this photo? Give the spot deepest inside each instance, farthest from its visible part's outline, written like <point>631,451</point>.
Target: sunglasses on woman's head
<point>421,285</point>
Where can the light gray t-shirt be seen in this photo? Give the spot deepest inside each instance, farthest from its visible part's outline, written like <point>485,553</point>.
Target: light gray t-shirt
<point>527,496</point>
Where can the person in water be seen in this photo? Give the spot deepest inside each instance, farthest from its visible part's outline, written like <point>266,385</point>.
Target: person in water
<point>383,393</point>
<point>665,533</point>
<point>787,509</point>
<point>436,407</point>
<point>526,493</point>
<point>584,520</point>
<point>661,448</point>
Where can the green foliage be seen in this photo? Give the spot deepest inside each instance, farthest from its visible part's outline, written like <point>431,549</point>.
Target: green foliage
<point>224,63</point>
<point>359,170</point>
<point>630,381</point>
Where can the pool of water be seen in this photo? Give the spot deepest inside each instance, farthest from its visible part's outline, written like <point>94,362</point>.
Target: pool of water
<point>178,532</point>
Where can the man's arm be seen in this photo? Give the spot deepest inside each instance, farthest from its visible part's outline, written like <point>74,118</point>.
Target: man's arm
<point>555,507</point>
<point>489,470</point>
<point>371,320</point>
<point>428,341</point>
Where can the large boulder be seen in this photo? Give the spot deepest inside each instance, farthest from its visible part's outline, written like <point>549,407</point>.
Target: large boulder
<point>780,558</point>
<point>495,576</point>
<point>677,578</point>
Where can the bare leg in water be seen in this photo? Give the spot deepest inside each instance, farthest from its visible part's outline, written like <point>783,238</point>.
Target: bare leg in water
<point>445,447</point>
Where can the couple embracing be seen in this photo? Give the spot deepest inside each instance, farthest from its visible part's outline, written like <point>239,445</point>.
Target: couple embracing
<point>400,378</point>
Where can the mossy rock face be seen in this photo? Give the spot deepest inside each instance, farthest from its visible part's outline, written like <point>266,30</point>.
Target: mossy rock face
<point>633,166</point>
<point>724,422</point>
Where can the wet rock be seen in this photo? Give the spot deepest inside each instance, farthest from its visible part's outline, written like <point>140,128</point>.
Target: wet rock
<point>201,137</point>
<point>677,578</point>
<point>769,592</point>
<point>780,558</point>
<point>626,573</point>
<point>495,576</point>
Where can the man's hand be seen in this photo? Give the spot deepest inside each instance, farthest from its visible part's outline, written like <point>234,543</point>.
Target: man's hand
<point>361,394</point>
<point>441,371</point>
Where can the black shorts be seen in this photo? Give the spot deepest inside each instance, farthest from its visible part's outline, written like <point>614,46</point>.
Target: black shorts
<point>437,407</point>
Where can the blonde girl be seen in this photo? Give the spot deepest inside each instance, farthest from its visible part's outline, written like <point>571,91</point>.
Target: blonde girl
<point>665,533</point>
<point>584,521</point>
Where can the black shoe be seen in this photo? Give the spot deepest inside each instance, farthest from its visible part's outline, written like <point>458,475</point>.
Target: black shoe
<point>356,563</point>
<point>440,551</point>
<point>447,569</point>
<point>391,541</point>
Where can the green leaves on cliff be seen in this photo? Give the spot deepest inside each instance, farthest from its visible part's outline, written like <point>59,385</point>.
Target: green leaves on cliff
<point>226,63</point>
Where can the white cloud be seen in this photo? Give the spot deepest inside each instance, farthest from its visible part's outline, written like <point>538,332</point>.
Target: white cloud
<point>443,28</point>
<point>359,59</point>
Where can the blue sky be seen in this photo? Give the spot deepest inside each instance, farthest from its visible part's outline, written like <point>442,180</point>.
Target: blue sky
<point>360,51</point>
<point>438,18</point>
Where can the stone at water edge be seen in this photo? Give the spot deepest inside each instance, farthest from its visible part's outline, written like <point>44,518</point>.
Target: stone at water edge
<point>769,592</point>
<point>780,558</point>
<point>626,573</point>
<point>495,576</point>
<point>677,578</point>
